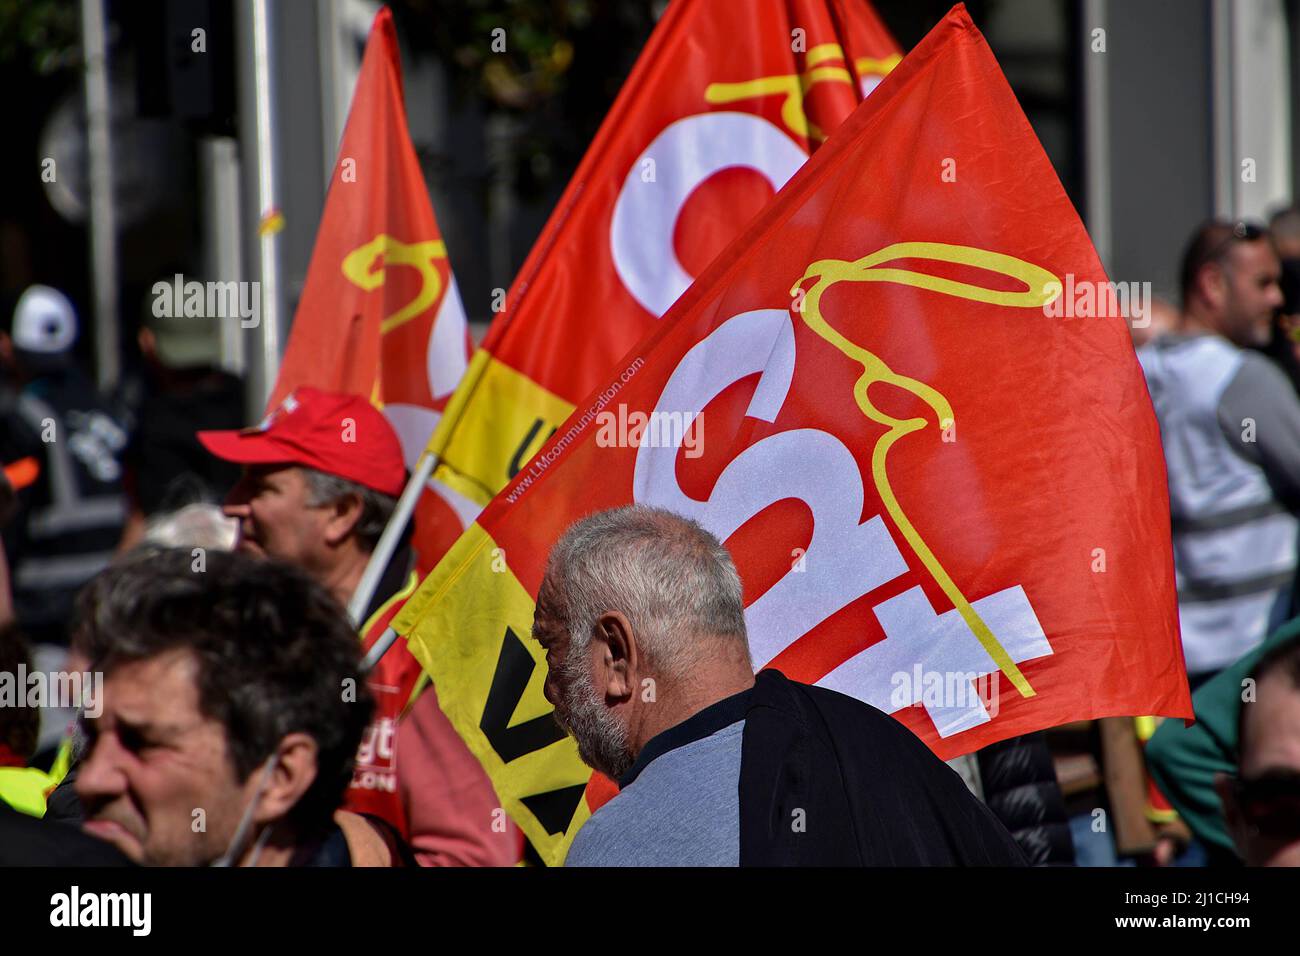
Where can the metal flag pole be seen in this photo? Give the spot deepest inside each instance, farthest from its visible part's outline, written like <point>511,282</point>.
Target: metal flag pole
<point>258,144</point>
<point>420,476</point>
<point>103,229</point>
<point>393,531</point>
<point>383,553</point>
<point>271,223</point>
<point>378,650</point>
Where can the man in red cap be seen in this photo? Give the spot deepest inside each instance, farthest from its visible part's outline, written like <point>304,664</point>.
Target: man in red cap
<point>322,474</point>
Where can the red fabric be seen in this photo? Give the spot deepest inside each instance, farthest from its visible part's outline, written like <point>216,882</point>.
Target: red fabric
<point>380,316</point>
<point>698,44</point>
<point>1040,491</point>
<point>374,787</point>
<point>600,790</point>
<point>723,105</point>
<point>335,433</point>
<point>1156,800</point>
<point>436,795</point>
<point>22,472</point>
<point>454,816</point>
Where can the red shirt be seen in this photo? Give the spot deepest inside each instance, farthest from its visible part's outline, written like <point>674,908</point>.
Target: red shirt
<point>414,770</point>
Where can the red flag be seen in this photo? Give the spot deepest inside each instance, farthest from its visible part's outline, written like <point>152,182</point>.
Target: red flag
<point>942,484</point>
<point>724,104</point>
<point>380,315</point>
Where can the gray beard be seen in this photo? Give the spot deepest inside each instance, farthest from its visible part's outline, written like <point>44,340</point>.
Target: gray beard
<point>602,740</point>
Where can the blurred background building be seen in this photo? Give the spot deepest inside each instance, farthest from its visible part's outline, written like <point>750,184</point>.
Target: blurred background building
<point>1156,114</point>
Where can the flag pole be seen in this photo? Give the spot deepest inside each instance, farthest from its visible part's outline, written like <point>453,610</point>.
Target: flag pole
<point>393,531</point>
<point>258,136</point>
<point>387,543</point>
<point>103,230</point>
<point>379,649</point>
<point>383,553</point>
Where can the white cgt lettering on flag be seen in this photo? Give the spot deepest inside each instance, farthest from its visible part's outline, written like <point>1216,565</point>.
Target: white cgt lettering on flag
<point>844,560</point>
<point>686,154</point>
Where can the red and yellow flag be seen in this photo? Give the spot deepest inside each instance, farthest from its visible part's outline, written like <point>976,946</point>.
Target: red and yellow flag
<point>380,315</point>
<point>943,486</point>
<point>724,104</point>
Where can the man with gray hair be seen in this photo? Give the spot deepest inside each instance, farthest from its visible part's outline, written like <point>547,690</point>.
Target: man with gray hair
<point>641,615</point>
<point>321,478</point>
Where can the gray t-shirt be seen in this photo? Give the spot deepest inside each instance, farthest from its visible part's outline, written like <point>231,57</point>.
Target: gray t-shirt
<point>682,809</point>
<point>1261,394</point>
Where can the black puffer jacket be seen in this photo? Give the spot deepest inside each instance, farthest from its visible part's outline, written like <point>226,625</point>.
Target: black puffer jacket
<point>1020,787</point>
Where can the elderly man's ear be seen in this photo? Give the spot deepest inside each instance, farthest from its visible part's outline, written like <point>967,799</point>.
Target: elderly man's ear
<point>345,513</point>
<point>617,657</point>
<point>292,771</point>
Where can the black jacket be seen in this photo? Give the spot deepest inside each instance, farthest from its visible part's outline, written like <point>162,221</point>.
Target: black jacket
<point>28,841</point>
<point>826,780</point>
<point>1020,787</point>
<point>69,520</point>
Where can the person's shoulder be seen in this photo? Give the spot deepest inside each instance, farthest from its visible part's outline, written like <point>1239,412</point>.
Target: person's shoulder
<point>1259,389</point>
<point>1177,350</point>
<point>605,838</point>
<point>1261,372</point>
<point>32,841</point>
<point>372,841</point>
<point>776,685</point>
<point>836,719</point>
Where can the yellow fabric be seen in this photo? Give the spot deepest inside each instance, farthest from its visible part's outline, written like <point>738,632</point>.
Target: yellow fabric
<point>24,789</point>
<point>62,762</point>
<point>497,418</point>
<point>469,616</point>
<point>1146,726</point>
<point>1156,815</point>
<point>406,591</point>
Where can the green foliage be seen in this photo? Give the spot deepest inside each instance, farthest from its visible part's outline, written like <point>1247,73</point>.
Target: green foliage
<point>563,63</point>
<point>43,35</point>
<point>540,37</point>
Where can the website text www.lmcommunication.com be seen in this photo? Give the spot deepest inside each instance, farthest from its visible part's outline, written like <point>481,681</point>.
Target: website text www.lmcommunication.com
<point>545,459</point>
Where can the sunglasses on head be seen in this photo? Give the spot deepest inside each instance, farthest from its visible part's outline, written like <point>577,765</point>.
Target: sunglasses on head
<point>1242,231</point>
<point>1271,804</point>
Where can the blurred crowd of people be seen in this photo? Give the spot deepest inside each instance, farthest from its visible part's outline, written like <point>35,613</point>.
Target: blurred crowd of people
<point>113,497</point>
<point>202,569</point>
<point>1225,383</point>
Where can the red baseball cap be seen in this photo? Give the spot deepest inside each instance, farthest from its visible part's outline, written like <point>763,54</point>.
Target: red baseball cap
<point>338,434</point>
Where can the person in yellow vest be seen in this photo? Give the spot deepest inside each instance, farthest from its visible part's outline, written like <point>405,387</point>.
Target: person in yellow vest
<point>22,787</point>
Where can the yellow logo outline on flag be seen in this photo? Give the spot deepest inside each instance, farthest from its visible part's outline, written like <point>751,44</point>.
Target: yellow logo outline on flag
<point>367,267</point>
<point>795,86</point>
<point>1041,288</point>
<point>471,603</point>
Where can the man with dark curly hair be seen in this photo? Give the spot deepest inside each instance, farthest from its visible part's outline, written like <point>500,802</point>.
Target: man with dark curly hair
<point>232,707</point>
<point>321,478</point>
